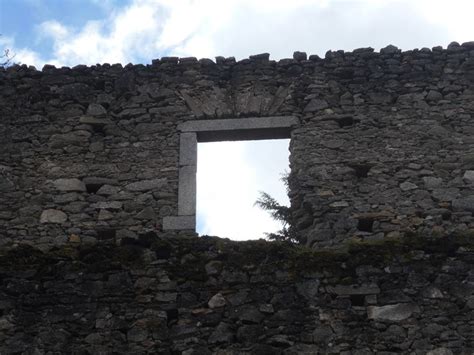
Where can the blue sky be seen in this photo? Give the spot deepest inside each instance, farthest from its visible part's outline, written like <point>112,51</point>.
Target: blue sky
<point>71,32</point>
<point>20,19</point>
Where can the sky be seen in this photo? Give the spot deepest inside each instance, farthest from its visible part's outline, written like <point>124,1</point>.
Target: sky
<point>71,32</point>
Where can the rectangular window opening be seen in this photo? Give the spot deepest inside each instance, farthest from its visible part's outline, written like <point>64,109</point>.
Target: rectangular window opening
<point>230,179</point>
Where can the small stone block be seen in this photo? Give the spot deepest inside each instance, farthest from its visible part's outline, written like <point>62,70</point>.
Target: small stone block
<point>299,56</point>
<point>262,57</point>
<point>179,222</point>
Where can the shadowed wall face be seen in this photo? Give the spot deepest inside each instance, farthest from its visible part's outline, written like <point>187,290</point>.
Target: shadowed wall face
<point>210,295</point>
<point>382,145</point>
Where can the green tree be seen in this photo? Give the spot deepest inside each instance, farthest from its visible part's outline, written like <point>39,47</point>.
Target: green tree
<point>279,213</point>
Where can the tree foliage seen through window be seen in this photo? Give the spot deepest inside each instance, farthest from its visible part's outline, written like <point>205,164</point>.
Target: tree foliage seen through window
<point>279,213</point>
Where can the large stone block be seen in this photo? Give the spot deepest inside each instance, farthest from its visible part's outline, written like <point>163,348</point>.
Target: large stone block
<point>69,185</point>
<point>464,204</point>
<point>53,216</point>
<point>179,223</point>
<point>146,185</point>
<point>393,313</point>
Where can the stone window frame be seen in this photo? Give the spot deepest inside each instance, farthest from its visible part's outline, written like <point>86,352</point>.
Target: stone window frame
<point>217,130</point>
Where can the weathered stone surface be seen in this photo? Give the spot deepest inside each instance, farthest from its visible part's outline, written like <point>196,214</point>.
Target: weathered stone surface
<point>266,308</point>
<point>179,222</point>
<point>248,333</point>
<point>299,56</point>
<point>213,267</point>
<point>323,334</point>
<point>440,351</point>
<point>53,216</point>
<point>146,185</point>
<point>110,205</point>
<point>94,121</point>
<point>469,176</point>
<point>339,204</point>
<point>434,95</point>
<point>69,185</point>
<point>464,204</point>
<point>261,56</point>
<point>146,213</point>
<point>432,182</point>
<point>316,105</point>
<point>395,312</point>
<point>407,186</point>
<point>333,143</point>
<point>446,194</point>
<point>308,289</point>
<point>433,292</point>
<point>67,197</point>
<point>107,190</point>
<point>390,49</point>
<point>470,302</point>
<point>6,185</point>
<point>137,334</point>
<point>96,110</point>
<point>370,289</point>
<point>77,138</point>
<point>160,290</point>
<point>5,325</point>
<point>216,301</point>
<point>250,314</point>
<point>222,334</point>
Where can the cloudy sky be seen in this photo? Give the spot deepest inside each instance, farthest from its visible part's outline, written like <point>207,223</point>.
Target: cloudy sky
<point>71,32</point>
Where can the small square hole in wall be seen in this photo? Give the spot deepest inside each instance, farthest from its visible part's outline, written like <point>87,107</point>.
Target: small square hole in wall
<point>230,176</point>
<point>365,225</point>
<point>92,188</point>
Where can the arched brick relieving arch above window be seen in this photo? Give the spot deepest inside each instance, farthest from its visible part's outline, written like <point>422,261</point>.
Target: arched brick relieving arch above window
<point>192,132</point>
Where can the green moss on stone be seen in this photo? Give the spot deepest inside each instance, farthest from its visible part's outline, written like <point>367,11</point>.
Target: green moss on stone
<point>188,256</point>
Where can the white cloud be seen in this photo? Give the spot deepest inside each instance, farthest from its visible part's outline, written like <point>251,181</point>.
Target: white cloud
<point>146,29</point>
<point>229,182</point>
<point>26,56</point>
<point>124,36</point>
<point>53,29</point>
<point>20,56</point>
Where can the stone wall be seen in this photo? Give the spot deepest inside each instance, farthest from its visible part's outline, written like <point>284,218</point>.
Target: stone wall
<point>382,167</point>
<point>384,145</point>
<point>189,295</point>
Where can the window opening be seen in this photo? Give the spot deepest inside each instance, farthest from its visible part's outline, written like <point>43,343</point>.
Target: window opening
<point>221,130</point>
<point>230,176</point>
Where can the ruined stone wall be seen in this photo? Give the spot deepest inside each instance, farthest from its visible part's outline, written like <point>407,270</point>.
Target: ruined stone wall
<point>382,159</point>
<point>190,295</point>
<point>384,145</point>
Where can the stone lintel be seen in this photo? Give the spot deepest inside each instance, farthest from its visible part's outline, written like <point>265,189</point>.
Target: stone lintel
<point>252,128</point>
